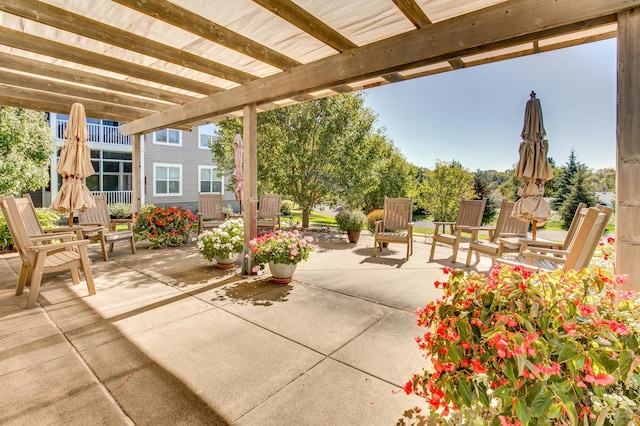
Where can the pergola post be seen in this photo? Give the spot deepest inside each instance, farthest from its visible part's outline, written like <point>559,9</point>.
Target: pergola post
<point>136,173</point>
<point>628,148</point>
<point>250,172</point>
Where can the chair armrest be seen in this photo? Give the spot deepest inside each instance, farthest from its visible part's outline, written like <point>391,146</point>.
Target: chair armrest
<point>63,229</point>
<point>529,256</point>
<point>64,236</point>
<point>438,224</point>
<point>115,222</point>
<point>58,246</point>
<point>378,226</point>
<point>475,232</point>
<point>539,251</point>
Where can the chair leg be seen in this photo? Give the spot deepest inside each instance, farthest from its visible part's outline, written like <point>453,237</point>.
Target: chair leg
<point>455,252</point>
<point>433,249</point>
<point>133,245</point>
<point>103,243</point>
<point>375,246</point>
<point>468,262</point>
<point>86,268</point>
<point>36,279</point>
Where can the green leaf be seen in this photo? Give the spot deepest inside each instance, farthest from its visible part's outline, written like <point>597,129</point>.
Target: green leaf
<point>522,412</point>
<point>556,411</point>
<point>626,360</point>
<point>507,369</point>
<point>568,352</point>
<point>572,414</point>
<point>541,403</point>
<point>481,391</point>
<point>464,389</point>
<point>623,418</point>
<point>503,391</point>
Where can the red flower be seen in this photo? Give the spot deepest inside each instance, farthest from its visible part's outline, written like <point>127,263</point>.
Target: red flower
<point>601,379</point>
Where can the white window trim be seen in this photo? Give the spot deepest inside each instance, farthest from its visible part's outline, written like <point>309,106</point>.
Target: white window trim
<point>200,133</point>
<point>155,166</point>
<point>155,142</point>
<point>200,167</point>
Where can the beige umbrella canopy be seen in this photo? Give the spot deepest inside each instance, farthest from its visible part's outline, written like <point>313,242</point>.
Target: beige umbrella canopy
<point>533,168</point>
<point>237,171</point>
<point>74,166</point>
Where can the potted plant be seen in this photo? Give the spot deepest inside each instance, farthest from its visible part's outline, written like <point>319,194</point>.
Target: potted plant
<point>224,244</point>
<point>282,250</point>
<point>520,347</point>
<point>351,221</point>
<point>164,226</point>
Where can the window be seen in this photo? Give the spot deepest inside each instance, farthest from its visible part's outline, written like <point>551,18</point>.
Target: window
<point>209,180</point>
<point>205,134</point>
<point>167,179</point>
<point>168,137</point>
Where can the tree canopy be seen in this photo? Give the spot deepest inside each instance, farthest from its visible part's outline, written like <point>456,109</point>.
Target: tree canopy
<point>443,189</point>
<point>26,146</point>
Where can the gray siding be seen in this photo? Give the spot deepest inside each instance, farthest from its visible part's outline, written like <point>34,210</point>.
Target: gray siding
<point>190,156</point>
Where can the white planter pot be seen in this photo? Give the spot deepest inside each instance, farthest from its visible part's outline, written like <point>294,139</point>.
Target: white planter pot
<point>227,262</point>
<point>282,273</point>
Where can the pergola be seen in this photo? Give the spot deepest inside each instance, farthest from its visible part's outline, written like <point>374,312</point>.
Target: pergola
<point>156,64</point>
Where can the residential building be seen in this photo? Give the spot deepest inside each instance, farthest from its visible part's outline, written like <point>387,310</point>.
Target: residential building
<point>175,164</point>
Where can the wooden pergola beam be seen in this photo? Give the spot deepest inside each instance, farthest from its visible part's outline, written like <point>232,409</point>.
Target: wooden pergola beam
<point>494,26</point>
<point>413,12</point>
<point>308,23</point>
<point>43,46</point>
<point>78,24</point>
<point>202,27</point>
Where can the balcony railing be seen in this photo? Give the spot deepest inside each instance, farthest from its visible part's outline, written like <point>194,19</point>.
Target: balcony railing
<point>101,133</point>
<point>115,196</point>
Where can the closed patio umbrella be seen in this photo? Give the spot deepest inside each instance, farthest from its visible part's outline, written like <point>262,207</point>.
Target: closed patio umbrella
<point>533,168</point>
<point>74,166</point>
<point>237,171</point>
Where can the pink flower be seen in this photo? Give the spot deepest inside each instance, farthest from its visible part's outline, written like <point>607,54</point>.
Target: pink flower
<point>302,243</point>
<point>601,379</point>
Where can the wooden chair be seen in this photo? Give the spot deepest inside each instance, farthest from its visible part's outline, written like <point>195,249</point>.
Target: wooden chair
<point>268,215</point>
<point>469,216</point>
<point>29,215</point>
<point>105,229</point>
<point>396,225</point>
<point>507,226</point>
<point>590,228</point>
<point>210,213</point>
<point>39,258</point>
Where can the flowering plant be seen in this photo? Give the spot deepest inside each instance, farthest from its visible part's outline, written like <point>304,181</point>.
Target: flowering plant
<point>289,247</point>
<point>516,347</point>
<point>223,241</point>
<point>605,256</point>
<point>164,226</point>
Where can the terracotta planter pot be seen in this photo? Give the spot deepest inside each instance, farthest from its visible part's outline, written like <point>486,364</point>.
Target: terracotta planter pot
<point>353,236</point>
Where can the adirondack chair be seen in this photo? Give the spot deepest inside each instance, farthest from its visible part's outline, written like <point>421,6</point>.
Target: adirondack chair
<point>396,225</point>
<point>39,258</point>
<point>29,215</point>
<point>98,226</point>
<point>469,216</point>
<point>590,228</point>
<point>268,215</point>
<point>210,213</point>
<point>506,226</point>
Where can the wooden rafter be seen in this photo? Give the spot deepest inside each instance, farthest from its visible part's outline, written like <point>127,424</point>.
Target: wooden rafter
<point>55,49</point>
<point>196,24</point>
<point>78,24</point>
<point>308,23</point>
<point>413,12</point>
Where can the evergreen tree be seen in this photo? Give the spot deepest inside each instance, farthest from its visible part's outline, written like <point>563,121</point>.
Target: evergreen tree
<point>563,187</point>
<point>481,186</point>
<point>581,192</point>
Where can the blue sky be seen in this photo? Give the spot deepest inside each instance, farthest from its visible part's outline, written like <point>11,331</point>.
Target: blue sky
<point>475,115</point>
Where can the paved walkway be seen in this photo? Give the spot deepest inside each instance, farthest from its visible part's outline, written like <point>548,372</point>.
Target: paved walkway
<point>169,339</point>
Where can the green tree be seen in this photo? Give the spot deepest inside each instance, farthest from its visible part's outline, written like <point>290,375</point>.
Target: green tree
<point>26,147</point>
<point>312,153</point>
<point>580,192</point>
<point>444,188</point>
<point>482,189</point>
<point>603,180</point>
<point>563,185</point>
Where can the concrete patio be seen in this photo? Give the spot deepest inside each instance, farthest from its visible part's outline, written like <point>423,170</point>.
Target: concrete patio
<point>170,339</point>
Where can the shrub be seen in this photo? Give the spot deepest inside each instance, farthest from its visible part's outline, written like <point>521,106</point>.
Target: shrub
<point>372,217</point>
<point>516,347</point>
<point>164,226</point>
<point>286,208</point>
<point>350,220</point>
<point>49,218</point>
<point>289,247</point>
<point>6,242</point>
<point>120,210</point>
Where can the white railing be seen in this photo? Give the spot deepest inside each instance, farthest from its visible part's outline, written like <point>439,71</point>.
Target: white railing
<point>101,133</point>
<point>115,196</point>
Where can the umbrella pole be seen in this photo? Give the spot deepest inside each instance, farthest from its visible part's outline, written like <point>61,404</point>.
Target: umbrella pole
<point>534,225</point>
<point>70,219</point>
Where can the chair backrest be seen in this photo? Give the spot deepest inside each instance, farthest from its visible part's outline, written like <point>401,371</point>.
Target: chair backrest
<point>590,229</point>
<point>16,225</point>
<point>573,226</point>
<point>210,206</point>
<point>470,213</point>
<point>28,213</point>
<point>398,213</point>
<point>98,214</point>
<point>507,224</point>
<point>270,205</point>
